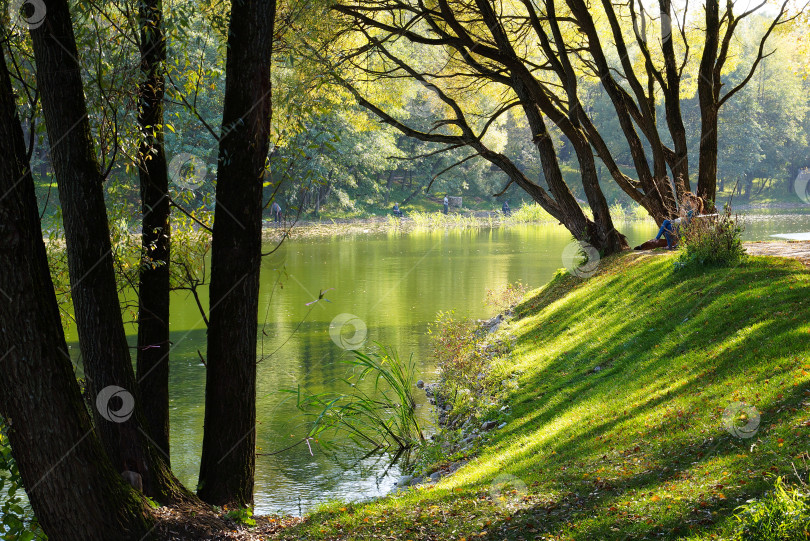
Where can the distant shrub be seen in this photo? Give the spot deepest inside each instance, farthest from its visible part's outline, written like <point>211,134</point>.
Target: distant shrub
<point>782,515</point>
<point>639,213</point>
<point>526,214</point>
<point>617,211</point>
<point>716,243</point>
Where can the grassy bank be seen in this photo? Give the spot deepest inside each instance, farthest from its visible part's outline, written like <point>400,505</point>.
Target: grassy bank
<point>639,448</point>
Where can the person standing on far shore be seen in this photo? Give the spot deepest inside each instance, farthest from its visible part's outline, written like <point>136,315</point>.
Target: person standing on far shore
<point>446,204</point>
<point>275,210</point>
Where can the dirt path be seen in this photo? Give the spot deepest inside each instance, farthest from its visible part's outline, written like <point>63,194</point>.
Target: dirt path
<point>793,249</point>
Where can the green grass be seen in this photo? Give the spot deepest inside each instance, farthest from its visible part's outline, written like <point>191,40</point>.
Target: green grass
<point>769,197</point>
<point>639,449</point>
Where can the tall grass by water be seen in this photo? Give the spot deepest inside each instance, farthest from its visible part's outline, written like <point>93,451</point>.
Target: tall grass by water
<point>378,407</point>
<point>626,213</point>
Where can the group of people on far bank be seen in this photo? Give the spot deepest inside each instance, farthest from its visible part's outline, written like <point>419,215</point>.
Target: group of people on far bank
<point>446,204</point>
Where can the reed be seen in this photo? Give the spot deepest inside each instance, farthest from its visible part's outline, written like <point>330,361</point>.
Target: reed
<point>378,408</point>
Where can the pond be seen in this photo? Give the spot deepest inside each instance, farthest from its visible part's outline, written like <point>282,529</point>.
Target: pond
<point>394,284</point>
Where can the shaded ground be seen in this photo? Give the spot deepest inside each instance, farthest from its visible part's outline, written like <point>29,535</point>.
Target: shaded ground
<point>187,522</point>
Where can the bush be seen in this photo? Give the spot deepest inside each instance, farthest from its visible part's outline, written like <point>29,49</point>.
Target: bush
<point>617,211</point>
<point>529,213</point>
<point>782,515</point>
<point>458,353</point>
<point>716,243</point>
<point>506,297</point>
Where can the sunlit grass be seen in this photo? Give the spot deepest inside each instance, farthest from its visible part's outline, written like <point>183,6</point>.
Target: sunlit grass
<point>438,220</point>
<point>532,213</point>
<point>640,448</point>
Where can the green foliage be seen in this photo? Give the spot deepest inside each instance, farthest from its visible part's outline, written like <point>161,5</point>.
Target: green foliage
<point>633,211</point>
<point>530,213</point>
<point>438,220</point>
<point>712,243</point>
<point>617,211</point>
<point>17,520</point>
<point>466,359</point>
<point>507,296</point>
<point>782,515</point>
<point>638,212</point>
<point>379,408</point>
<point>242,515</point>
<point>460,358</point>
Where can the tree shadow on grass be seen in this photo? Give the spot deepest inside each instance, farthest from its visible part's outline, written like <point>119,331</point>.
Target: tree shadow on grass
<point>638,369</point>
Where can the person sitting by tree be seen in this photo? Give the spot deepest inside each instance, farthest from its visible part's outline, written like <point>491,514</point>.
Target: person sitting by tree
<point>505,209</point>
<point>397,212</point>
<point>691,206</point>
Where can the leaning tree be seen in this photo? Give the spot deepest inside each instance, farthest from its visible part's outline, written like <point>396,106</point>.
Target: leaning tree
<point>543,57</point>
<point>460,53</point>
<point>72,485</point>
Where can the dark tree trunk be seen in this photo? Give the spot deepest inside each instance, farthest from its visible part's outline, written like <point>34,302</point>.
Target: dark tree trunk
<point>679,164</point>
<point>103,344</point>
<point>228,455</point>
<point>153,289</point>
<point>604,237</point>
<point>708,95</point>
<point>74,490</point>
<point>652,190</point>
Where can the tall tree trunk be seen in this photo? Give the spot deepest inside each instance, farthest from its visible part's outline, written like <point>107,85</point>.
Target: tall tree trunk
<point>679,165</point>
<point>153,288</point>
<point>102,340</point>
<point>71,484</point>
<point>708,94</point>
<point>228,455</point>
<point>605,237</point>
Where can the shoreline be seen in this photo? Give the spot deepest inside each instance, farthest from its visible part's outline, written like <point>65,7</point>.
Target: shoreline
<point>475,220</point>
<point>383,224</point>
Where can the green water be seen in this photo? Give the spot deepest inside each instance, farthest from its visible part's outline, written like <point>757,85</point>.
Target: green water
<point>394,284</point>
